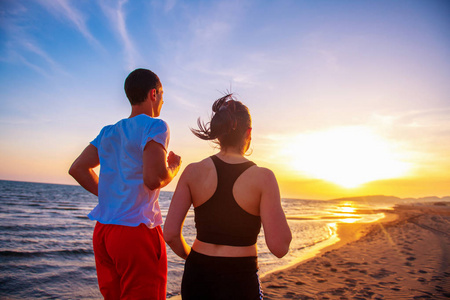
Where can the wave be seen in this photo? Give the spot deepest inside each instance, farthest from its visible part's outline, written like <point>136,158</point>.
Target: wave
<point>46,253</point>
<point>36,228</point>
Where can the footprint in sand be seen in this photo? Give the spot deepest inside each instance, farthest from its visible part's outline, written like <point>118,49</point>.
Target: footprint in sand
<point>289,295</point>
<point>382,273</point>
<point>436,278</point>
<point>423,297</point>
<point>338,291</point>
<point>365,293</point>
<point>277,286</point>
<point>350,282</point>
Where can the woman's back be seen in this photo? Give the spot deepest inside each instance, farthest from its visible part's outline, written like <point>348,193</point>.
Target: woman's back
<point>221,220</point>
<point>246,190</point>
<point>255,191</point>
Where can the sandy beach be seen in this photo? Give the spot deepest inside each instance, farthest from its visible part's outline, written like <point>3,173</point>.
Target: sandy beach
<point>404,256</point>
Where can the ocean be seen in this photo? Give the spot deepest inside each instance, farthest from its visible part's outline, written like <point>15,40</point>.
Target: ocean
<point>46,248</point>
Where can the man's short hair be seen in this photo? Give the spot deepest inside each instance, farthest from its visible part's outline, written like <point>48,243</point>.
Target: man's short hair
<point>139,83</point>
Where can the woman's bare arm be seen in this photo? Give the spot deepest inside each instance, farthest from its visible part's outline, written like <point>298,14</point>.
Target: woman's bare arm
<point>276,229</point>
<point>179,207</point>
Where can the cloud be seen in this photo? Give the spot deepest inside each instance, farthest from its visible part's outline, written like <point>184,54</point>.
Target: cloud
<point>63,8</point>
<point>19,46</point>
<point>33,48</point>
<point>117,17</point>
<point>424,134</point>
<point>428,123</point>
<point>31,65</point>
<point>200,47</point>
<point>169,5</point>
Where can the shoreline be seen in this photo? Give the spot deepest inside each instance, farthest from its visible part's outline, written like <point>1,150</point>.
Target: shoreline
<point>402,256</point>
<point>345,234</point>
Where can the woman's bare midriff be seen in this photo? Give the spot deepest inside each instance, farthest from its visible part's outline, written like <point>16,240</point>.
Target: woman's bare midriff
<point>224,250</point>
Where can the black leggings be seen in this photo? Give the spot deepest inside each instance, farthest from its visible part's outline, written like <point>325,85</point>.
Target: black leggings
<point>212,277</point>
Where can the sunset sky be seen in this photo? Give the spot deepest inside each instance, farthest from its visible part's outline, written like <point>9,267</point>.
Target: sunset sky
<point>347,97</point>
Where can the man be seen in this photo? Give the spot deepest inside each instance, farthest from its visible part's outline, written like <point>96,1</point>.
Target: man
<point>130,253</point>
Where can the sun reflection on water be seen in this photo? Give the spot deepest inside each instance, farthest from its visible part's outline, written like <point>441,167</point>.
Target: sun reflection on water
<point>349,220</point>
<point>347,209</point>
<point>351,212</point>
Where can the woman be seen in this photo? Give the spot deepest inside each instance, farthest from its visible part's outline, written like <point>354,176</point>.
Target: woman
<point>232,197</point>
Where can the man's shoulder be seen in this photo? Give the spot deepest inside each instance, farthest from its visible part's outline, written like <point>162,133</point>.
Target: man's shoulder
<point>150,121</point>
<point>107,128</point>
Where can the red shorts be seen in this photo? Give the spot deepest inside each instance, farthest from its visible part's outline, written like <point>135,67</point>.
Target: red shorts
<point>131,262</point>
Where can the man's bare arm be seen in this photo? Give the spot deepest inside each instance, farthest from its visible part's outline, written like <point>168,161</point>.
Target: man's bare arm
<point>157,172</point>
<point>82,169</point>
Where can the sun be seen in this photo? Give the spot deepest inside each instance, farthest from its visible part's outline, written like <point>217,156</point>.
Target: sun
<point>347,156</point>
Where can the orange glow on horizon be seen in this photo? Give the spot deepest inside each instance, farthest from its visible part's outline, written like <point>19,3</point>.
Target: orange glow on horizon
<point>307,188</point>
<point>346,156</point>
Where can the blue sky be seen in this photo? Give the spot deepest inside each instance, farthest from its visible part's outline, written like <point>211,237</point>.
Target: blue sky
<point>302,67</point>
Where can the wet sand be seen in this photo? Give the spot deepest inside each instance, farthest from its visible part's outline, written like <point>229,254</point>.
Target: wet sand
<point>404,256</point>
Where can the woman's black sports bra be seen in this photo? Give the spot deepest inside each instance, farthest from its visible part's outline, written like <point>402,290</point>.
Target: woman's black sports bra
<point>220,220</point>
